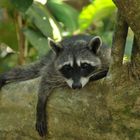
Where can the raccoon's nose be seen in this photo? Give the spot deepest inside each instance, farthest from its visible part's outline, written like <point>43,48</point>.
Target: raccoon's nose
<point>76,85</point>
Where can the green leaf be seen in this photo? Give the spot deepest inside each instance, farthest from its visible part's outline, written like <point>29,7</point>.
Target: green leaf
<point>39,17</point>
<point>64,13</point>
<point>37,40</point>
<point>95,12</point>
<point>21,5</point>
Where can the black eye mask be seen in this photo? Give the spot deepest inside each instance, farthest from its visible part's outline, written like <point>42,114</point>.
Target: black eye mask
<point>87,69</point>
<point>67,71</point>
<point>77,71</point>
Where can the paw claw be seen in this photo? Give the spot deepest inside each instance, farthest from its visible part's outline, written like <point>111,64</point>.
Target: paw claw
<point>41,128</point>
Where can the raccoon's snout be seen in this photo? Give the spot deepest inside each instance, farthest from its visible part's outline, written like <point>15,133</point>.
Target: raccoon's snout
<point>76,85</point>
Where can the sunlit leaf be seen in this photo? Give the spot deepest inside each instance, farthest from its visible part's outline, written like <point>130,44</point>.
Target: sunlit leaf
<point>96,12</point>
<point>39,16</point>
<point>37,40</point>
<point>64,13</point>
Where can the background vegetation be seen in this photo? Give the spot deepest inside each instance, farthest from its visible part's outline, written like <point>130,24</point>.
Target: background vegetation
<point>26,25</point>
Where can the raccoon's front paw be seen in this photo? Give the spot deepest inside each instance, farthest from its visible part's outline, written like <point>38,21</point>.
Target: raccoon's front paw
<point>41,127</point>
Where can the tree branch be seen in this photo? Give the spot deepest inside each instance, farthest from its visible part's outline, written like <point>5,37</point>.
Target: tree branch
<point>130,10</point>
<point>135,59</point>
<point>119,40</point>
<point>20,38</point>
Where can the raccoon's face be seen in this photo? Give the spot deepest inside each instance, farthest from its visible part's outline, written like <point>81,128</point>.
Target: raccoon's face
<point>78,61</point>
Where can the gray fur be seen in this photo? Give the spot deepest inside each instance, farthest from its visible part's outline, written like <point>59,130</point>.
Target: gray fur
<point>66,51</point>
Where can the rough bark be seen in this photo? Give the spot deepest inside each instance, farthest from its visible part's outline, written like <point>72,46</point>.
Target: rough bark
<point>130,10</point>
<point>135,63</point>
<point>118,44</point>
<point>101,111</point>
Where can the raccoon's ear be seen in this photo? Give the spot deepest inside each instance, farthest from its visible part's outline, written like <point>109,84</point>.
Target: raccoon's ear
<point>95,44</point>
<point>56,47</point>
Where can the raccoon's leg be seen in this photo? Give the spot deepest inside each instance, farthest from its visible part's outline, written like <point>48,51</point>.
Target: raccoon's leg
<point>21,73</point>
<point>45,89</point>
<point>47,84</point>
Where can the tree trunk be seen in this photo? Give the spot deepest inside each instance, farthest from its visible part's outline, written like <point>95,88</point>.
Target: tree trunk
<point>130,10</point>
<point>108,109</point>
<point>104,110</point>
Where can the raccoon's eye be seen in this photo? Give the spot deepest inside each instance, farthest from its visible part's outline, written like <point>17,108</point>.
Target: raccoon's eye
<point>66,71</point>
<point>67,67</point>
<point>87,69</point>
<point>85,65</point>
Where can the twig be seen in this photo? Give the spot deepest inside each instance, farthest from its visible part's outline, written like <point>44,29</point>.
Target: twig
<point>20,38</point>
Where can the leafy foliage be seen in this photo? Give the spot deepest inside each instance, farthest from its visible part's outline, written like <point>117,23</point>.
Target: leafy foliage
<point>38,23</point>
<point>98,18</point>
<point>54,19</point>
<point>64,13</point>
<point>37,40</point>
<point>5,3</point>
<point>38,16</point>
<point>96,12</point>
<point>21,5</point>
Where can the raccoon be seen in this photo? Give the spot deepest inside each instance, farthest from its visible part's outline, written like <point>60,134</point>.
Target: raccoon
<point>74,61</point>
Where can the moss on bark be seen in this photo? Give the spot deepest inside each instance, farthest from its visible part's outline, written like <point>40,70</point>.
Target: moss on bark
<point>100,111</point>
